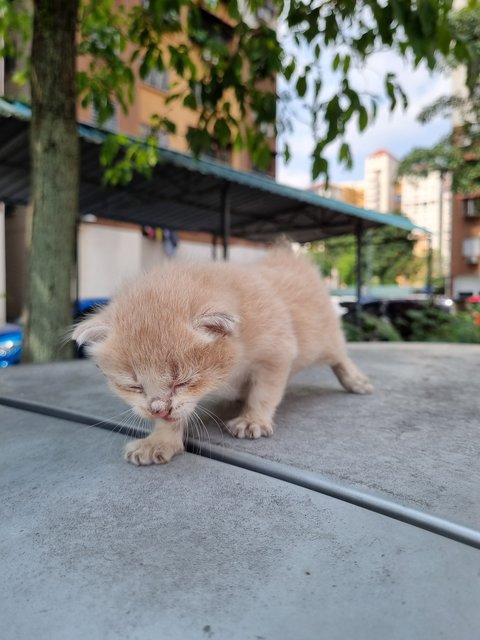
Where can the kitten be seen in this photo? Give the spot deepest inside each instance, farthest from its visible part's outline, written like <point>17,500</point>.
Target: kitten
<point>182,332</point>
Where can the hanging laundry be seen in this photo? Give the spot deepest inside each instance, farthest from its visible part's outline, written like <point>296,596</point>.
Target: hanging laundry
<point>148,232</point>
<point>170,242</point>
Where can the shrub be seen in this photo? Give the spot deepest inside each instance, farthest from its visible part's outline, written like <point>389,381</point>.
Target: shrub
<point>431,325</point>
<point>370,328</point>
<point>424,325</point>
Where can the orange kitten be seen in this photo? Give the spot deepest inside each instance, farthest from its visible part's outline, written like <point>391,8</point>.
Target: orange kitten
<point>184,331</point>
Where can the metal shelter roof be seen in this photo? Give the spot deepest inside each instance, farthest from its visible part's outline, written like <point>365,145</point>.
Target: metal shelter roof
<point>185,193</point>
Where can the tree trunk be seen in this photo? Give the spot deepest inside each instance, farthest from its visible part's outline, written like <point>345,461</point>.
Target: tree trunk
<point>55,180</point>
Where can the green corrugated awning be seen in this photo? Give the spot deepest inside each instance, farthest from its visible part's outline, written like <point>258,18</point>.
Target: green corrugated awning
<point>185,193</point>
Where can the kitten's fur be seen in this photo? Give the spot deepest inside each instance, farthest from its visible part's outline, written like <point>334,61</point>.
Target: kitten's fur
<point>181,332</point>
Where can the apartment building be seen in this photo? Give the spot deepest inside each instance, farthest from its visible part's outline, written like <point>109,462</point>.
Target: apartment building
<point>427,201</point>
<point>381,169</point>
<point>351,192</point>
<point>152,92</point>
<point>465,245</point>
<point>465,269</point>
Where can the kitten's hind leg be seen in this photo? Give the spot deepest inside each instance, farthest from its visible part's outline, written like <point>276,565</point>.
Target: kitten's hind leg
<point>351,378</point>
<point>159,447</point>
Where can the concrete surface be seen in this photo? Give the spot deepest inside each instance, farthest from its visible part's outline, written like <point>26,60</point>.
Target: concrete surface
<point>416,440</point>
<point>95,548</point>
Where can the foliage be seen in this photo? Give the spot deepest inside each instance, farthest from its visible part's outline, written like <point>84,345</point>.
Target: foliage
<point>388,255</point>
<point>226,75</point>
<point>458,154</point>
<point>370,328</point>
<point>441,157</point>
<point>424,325</point>
<point>433,325</point>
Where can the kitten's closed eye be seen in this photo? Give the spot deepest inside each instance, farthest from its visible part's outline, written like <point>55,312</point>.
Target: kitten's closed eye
<point>134,388</point>
<point>181,385</point>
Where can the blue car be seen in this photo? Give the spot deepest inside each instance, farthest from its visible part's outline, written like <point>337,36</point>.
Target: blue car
<point>10,344</point>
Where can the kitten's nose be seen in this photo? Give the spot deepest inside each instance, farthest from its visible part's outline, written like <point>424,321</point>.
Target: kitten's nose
<point>160,409</point>
<point>158,406</point>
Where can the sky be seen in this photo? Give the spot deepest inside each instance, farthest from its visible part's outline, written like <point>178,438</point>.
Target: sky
<point>398,132</point>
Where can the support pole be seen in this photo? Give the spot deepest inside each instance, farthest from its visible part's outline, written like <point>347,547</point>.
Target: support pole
<point>214,246</point>
<point>3,267</point>
<point>440,272</point>
<point>429,283</point>
<point>359,268</point>
<point>225,220</point>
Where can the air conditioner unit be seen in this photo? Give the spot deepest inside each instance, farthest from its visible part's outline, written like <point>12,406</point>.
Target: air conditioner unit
<point>471,250</point>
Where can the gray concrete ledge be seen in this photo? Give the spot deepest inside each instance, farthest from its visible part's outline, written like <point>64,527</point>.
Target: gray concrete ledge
<point>415,441</point>
<point>95,548</point>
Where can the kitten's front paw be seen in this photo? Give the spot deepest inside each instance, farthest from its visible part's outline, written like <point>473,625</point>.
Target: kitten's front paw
<point>144,452</point>
<point>244,428</point>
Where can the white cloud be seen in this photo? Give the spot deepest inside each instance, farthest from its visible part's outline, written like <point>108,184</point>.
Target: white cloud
<point>399,132</point>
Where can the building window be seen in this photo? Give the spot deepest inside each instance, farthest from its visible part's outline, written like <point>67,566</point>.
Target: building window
<point>108,125</point>
<point>471,207</point>
<point>210,28</point>
<point>162,137</point>
<point>218,153</point>
<point>266,171</point>
<point>215,151</point>
<point>471,250</point>
<point>157,79</point>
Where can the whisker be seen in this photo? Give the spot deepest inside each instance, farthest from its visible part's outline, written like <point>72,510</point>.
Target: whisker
<point>114,418</point>
<point>221,424</point>
<point>201,427</point>
<point>197,432</point>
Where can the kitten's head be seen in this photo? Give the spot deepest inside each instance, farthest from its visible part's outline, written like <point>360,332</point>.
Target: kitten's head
<point>160,363</point>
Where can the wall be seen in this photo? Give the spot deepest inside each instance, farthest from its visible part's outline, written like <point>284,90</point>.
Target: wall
<point>110,254</point>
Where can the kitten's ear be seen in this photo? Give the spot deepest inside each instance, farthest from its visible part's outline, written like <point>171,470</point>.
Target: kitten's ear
<point>91,331</point>
<point>216,323</point>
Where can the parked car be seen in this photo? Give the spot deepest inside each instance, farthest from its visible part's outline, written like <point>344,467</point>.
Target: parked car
<point>11,335</point>
<point>396,310</point>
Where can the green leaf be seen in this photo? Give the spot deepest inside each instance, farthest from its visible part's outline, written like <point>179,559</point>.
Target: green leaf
<point>320,165</point>
<point>345,156</point>
<point>289,70</point>
<point>190,101</point>
<point>222,132</point>
<point>362,118</point>
<point>301,86</point>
